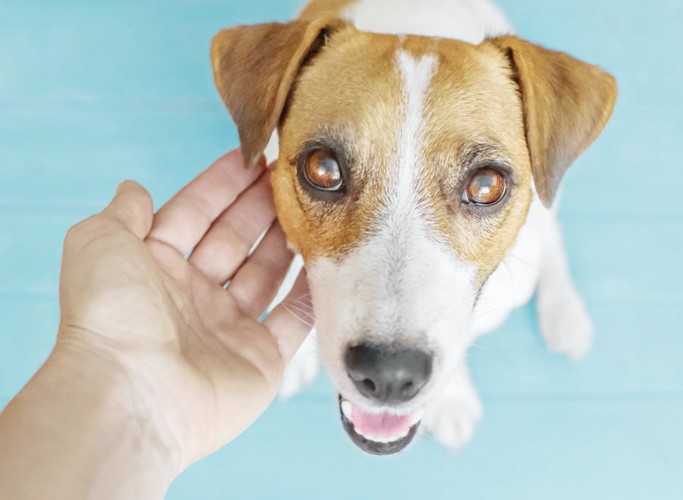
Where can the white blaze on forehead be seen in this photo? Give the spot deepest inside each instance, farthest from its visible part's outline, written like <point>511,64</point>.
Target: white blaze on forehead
<point>401,232</point>
<point>416,75</point>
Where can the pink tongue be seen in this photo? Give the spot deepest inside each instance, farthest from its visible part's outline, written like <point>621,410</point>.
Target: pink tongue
<point>383,425</point>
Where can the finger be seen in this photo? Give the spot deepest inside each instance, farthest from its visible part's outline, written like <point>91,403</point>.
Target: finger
<point>288,323</point>
<point>132,206</point>
<point>226,245</point>
<point>184,219</point>
<point>258,280</point>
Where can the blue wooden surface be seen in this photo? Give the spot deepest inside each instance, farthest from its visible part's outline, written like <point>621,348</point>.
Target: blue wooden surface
<point>92,92</point>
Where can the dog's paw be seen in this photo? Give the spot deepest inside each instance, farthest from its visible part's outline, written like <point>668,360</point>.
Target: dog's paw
<point>564,323</point>
<point>301,371</point>
<point>452,418</point>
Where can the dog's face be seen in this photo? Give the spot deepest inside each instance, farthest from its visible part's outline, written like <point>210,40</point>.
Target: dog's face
<point>405,172</point>
<point>403,178</point>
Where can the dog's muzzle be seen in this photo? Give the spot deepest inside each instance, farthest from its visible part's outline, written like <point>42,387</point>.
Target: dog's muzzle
<point>387,375</point>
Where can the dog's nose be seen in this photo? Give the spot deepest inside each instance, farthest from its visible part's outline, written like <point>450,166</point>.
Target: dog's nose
<point>386,373</point>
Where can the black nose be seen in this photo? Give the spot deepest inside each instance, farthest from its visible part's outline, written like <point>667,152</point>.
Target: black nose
<point>386,373</point>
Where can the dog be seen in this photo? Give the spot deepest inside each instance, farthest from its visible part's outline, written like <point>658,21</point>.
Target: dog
<point>421,148</point>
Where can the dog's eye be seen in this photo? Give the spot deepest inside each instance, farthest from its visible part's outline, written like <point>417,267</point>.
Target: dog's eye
<point>321,170</point>
<point>486,187</point>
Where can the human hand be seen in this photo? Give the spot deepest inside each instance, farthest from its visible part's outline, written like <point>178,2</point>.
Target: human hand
<point>195,359</point>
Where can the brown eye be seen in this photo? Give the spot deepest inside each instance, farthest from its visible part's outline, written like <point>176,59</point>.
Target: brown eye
<point>322,171</point>
<point>486,187</point>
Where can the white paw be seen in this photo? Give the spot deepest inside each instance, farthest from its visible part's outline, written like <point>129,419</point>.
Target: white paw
<point>564,323</point>
<point>302,370</point>
<point>453,416</point>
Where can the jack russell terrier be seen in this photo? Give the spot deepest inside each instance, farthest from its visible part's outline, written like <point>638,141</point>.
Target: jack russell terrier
<point>420,150</point>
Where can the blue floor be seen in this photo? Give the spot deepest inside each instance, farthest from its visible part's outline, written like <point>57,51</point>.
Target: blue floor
<point>93,92</point>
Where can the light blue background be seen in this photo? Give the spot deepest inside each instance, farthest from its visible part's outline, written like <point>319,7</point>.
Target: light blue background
<point>92,92</point>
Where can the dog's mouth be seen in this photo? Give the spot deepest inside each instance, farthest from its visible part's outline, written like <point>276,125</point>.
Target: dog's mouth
<point>378,433</point>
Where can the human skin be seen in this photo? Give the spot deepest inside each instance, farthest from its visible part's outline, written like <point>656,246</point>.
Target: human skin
<point>156,363</point>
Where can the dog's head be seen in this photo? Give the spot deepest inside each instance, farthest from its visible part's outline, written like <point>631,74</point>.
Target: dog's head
<point>407,166</point>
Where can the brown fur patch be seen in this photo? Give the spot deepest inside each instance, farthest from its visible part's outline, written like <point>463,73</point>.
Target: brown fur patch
<point>354,110</point>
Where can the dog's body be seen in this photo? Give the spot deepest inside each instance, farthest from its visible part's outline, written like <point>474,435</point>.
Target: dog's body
<point>388,283</point>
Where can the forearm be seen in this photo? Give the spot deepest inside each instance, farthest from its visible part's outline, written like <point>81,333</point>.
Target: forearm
<point>74,432</point>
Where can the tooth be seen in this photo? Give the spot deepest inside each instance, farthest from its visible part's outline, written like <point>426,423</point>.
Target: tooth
<point>417,416</point>
<point>376,439</point>
<point>385,439</point>
<point>346,409</point>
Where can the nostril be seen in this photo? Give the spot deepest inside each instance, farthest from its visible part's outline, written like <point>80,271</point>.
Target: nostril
<point>369,385</point>
<point>407,389</point>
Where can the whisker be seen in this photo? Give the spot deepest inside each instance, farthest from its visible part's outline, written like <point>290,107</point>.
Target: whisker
<point>298,301</point>
<point>293,313</point>
<point>302,308</point>
<point>511,275</point>
<point>305,299</point>
<point>485,312</point>
<point>525,262</point>
<point>304,312</point>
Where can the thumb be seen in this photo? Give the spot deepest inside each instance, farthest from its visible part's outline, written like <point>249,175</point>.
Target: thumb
<point>132,206</point>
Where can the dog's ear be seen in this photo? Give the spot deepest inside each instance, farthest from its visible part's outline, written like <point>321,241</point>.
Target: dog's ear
<point>254,68</point>
<point>566,104</point>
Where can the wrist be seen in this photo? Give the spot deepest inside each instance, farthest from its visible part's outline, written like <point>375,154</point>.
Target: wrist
<point>82,421</point>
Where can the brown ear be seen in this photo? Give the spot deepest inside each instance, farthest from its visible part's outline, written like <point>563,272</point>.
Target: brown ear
<point>254,68</point>
<point>566,105</point>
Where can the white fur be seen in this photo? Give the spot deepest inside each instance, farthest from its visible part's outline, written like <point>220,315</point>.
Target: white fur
<point>416,74</point>
<point>401,283</point>
<point>467,20</point>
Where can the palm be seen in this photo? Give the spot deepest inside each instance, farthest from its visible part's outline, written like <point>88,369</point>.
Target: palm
<point>200,346</point>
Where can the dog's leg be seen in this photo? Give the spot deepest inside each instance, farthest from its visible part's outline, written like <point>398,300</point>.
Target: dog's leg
<point>302,370</point>
<point>452,417</point>
<point>562,316</point>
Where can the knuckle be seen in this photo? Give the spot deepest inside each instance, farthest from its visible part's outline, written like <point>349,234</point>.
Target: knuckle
<point>81,230</point>
<point>75,231</point>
